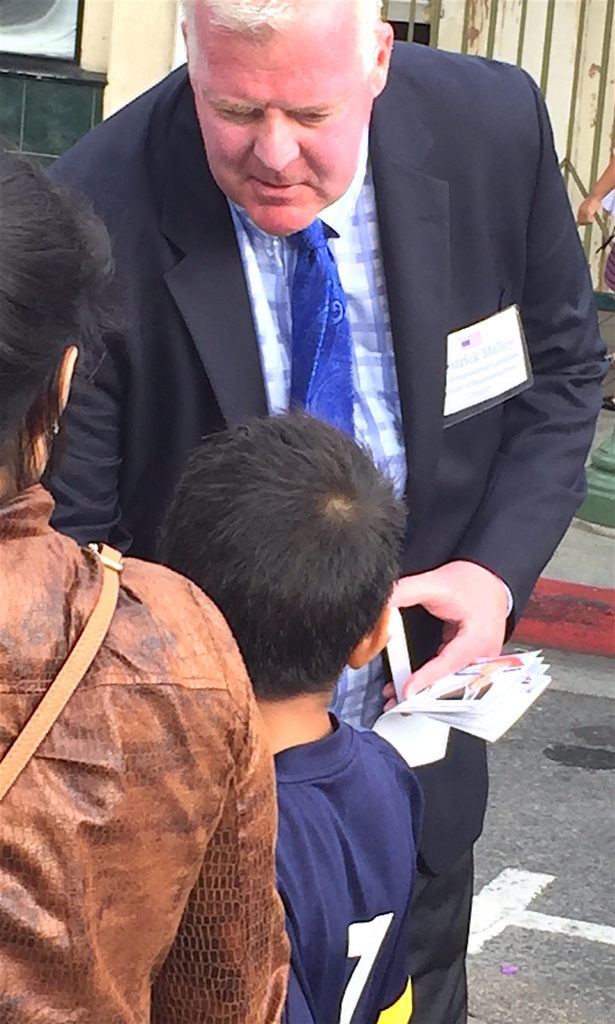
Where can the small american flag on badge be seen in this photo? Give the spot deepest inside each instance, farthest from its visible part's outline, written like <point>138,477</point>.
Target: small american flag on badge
<point>472,339</point>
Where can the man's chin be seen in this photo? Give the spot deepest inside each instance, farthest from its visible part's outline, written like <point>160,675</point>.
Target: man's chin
<point>281,219</point>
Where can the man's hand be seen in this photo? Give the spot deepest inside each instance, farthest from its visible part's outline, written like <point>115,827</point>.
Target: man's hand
<point>472,603</point>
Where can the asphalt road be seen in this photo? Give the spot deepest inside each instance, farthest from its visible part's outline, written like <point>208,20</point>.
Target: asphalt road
<point>548,857</point>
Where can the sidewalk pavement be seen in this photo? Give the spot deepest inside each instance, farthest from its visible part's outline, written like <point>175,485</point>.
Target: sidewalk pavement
<point>573,604</point>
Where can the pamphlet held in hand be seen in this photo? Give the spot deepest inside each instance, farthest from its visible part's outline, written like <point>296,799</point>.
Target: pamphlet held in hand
<point>484,699</point>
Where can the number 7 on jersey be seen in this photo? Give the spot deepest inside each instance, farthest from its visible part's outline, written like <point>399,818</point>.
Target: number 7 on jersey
<point>365,939</point>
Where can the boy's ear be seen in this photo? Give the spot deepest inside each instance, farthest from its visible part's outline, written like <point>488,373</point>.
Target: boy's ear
<point>371,644</point>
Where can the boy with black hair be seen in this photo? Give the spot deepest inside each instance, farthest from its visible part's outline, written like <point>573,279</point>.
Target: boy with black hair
<point>289,527</point>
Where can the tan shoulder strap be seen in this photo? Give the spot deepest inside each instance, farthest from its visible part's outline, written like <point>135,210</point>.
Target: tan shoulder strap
<point>70,675</point>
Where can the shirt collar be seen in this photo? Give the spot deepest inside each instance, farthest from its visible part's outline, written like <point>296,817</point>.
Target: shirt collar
<point>335,216</point>
<point>339,213</point>
<point>319,759</point>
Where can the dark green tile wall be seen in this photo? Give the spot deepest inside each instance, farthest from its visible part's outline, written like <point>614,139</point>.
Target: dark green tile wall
<point>42,118</point>
<point>11,110</point>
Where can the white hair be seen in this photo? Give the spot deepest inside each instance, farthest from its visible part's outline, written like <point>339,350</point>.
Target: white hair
<point>276,15</point>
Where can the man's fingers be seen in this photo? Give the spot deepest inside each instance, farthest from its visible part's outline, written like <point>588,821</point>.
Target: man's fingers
<point>472,604</point>
<point>428,674</point>
<point>412,590</point>
<point>454,655</point>
<point>403,594</point>
<point>454,592</point>
<point>388,691</point>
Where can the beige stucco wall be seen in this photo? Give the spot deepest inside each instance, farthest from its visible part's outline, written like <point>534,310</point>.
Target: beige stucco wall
<point>134,42</point>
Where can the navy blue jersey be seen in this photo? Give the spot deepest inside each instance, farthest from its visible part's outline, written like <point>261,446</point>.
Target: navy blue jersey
<point>350,811</point>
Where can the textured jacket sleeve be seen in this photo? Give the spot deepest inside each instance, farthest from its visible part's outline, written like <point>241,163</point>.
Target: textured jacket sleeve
<point>233,911</point>
<point>137,847</point>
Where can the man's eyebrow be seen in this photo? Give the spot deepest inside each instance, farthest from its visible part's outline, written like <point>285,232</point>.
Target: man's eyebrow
<point>325,108</point>
<point>236,106</point>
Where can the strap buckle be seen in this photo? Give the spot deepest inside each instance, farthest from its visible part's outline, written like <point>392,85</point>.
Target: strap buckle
<point>108,557</point>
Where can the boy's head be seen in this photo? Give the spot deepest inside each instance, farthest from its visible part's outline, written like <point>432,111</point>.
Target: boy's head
<point>292,531</point>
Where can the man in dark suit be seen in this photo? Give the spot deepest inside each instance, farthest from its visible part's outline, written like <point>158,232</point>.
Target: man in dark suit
<point>459,212</point>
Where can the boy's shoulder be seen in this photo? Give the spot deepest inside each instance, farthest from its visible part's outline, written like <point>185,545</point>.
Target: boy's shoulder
<point>370,740</point>
<point>374,746</point>
<point>352,764</point>
<point>392,771</point>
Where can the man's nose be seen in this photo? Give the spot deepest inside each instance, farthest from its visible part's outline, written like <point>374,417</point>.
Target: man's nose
<point>275,145</point>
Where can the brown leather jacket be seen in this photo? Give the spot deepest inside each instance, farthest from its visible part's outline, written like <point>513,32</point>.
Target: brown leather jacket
<point>137,847</point>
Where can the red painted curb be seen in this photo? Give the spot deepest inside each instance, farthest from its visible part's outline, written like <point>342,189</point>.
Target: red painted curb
<point>569,616</point>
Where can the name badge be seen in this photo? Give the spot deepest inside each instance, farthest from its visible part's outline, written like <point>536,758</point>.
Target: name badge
<point>486,363</point>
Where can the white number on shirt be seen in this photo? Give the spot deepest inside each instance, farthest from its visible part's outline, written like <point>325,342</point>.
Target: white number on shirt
<point>364,941</point>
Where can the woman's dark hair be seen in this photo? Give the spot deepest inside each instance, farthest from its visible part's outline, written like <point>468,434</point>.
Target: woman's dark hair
<point>289,527</point>
<point>54,260</point>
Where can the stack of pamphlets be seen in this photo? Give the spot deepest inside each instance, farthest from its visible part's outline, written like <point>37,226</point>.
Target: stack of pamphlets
<point>484,699</point>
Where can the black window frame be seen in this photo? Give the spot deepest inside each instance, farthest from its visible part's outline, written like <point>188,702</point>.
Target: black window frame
<point>75,60</point>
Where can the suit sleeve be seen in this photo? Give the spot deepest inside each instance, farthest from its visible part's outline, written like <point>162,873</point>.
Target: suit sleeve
<point>85,478</point>
<point>538,479</point>
<point>86,471</point>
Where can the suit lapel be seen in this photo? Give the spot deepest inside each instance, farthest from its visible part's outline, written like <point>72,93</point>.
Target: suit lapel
<point>413,218</point>
<point>207,282</point>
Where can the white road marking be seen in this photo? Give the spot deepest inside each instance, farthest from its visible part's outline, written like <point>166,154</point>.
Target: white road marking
<point>503,903</point>
<point>565,926</point>
<point>498,901</point>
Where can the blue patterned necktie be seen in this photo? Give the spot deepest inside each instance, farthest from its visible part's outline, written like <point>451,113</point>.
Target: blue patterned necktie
<point>321,368</point>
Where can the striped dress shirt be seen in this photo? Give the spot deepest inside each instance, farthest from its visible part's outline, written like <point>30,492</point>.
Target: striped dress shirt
<point>269,264</point>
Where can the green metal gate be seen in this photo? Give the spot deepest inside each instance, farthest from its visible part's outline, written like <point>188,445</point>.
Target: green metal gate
<point>568,46</point>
